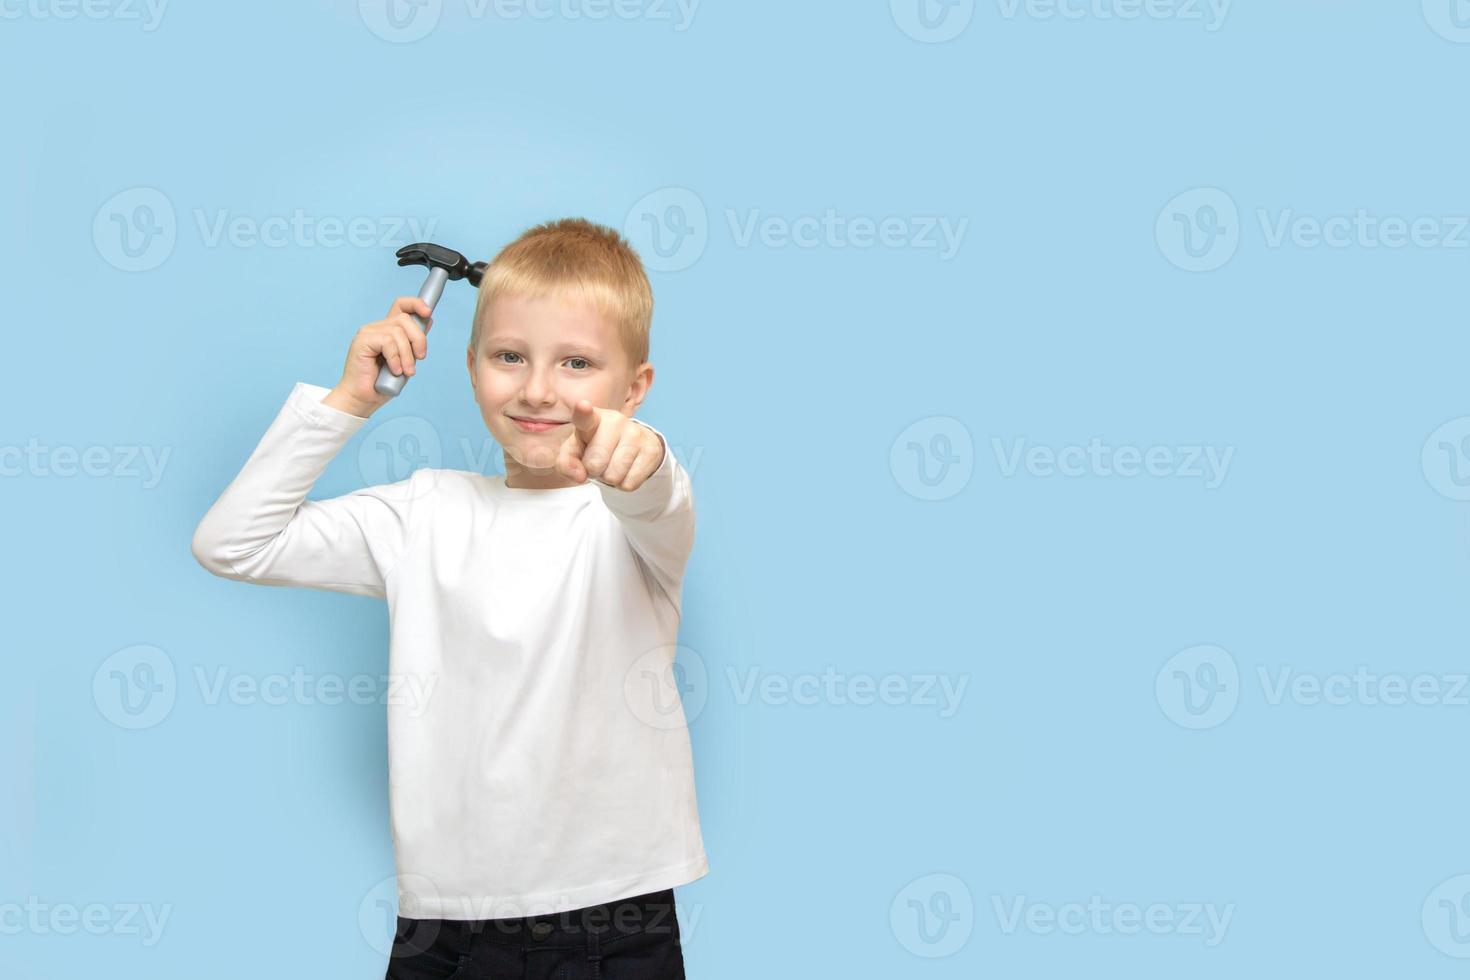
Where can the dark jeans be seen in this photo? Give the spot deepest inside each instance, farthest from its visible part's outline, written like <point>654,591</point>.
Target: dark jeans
<point>635,938</point>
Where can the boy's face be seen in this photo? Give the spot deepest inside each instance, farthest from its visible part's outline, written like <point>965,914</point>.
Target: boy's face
<point>537,358</point>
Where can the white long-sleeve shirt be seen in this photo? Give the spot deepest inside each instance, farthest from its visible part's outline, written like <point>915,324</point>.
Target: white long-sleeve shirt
<point>550,767</point>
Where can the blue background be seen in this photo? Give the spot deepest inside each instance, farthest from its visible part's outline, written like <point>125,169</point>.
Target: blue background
<point>792,381</point>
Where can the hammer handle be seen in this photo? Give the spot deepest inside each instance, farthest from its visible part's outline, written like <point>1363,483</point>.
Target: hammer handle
<point>388,383</point>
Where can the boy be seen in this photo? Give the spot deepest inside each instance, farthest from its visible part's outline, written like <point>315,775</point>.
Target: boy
<point>543,801</point>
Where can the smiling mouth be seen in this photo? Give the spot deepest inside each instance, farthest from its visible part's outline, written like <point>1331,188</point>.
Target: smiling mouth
<point>536,426</point>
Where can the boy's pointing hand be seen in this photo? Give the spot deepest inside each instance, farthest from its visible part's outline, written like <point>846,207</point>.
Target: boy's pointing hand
<point>610,447</point>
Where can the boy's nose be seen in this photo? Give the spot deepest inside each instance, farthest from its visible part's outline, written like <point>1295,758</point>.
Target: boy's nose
<point>539,390</point>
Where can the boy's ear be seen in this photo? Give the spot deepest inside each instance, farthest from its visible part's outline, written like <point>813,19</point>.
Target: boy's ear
<point>638,390</point>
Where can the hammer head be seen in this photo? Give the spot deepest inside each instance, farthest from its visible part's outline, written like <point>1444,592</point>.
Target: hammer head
<point>437,256</point>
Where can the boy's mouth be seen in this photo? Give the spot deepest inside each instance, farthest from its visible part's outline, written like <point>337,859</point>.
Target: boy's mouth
<point>534,424</point>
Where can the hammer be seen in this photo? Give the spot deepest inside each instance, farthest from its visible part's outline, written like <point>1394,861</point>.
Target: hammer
<point>444,264</point>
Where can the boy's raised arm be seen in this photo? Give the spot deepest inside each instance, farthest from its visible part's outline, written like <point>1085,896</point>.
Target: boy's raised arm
<point>262,528</point>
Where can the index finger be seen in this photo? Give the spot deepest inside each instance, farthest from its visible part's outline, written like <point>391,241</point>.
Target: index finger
<point>585,419</point>
<point>410,304</point>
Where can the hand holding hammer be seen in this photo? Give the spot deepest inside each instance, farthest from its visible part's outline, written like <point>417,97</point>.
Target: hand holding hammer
<point>383,354</point>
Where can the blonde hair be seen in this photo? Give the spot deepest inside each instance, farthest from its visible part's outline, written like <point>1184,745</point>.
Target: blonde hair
<point>574,256</point>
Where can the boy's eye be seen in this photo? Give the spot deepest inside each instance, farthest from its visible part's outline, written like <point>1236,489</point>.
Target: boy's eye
<point>578,363</point>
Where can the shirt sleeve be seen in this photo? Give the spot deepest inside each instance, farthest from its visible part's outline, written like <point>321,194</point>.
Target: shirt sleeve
<point>658,519</point>
<point>262,529</point>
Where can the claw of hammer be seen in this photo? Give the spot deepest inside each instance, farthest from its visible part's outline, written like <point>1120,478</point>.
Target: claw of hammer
<point>445,264</point>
